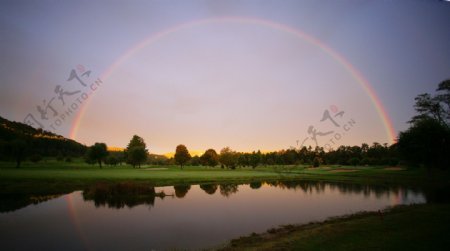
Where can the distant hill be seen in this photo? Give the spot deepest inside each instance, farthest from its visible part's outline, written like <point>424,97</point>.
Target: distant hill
<point>37,141</point>
<point>115,149</point>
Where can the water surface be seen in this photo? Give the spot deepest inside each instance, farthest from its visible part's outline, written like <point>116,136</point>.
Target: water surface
<point>193,217</point>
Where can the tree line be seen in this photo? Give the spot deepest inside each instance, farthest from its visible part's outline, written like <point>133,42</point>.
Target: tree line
<point>425,143</point>
<point>137,154</point>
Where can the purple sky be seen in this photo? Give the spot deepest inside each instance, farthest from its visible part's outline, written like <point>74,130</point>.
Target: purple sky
<point>214,84</point>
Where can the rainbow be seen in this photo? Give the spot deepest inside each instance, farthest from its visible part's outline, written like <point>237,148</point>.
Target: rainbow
<point>364,83</point>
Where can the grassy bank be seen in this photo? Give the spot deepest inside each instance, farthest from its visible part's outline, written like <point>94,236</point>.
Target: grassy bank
<point>417,227</point>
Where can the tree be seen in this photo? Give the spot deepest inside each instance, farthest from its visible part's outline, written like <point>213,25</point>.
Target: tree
<point>112,160</point>
<point>427,143</point>
<point>136,155</point>
<point>136,141</point>
<point>444,98</point>
<point>210,158</point>
<point>254,159</point>
<point>195,161</point>
<point>354,161</point>
<point>136,152</point>
<point>182,155</point>
<point>228,158</point>
<point>18,149</point>
<point>316,162</point>
<point>435,107</point>
<point>3,149</point>
<point>98,153</point>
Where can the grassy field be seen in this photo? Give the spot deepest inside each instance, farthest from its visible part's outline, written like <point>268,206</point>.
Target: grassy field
<point>418,227</point>
<point>52,176</point>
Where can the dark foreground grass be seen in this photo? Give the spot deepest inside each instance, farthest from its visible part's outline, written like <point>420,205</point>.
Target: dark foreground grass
<point>417,227</point>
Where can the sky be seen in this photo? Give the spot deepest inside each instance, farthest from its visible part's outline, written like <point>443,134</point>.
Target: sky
<point>208,74</point>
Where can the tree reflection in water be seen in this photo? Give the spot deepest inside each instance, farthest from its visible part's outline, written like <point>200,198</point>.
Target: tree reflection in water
<point>130,194</point>
<point>344,188</point>
<point>181,190</point>
<point>121,194</point>
<point>255,185</point>
<point>209,188</point>
<point>13,202</point>
<point>228,189</point>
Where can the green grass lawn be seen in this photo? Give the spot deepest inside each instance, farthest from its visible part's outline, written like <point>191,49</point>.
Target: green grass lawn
<point>53,176</point>
<point>418,227</point>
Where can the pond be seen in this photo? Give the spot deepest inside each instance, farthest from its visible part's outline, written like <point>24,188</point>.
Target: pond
<point>137,217</point>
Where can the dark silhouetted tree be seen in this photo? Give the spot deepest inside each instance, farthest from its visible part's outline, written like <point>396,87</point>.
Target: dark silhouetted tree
<point>136,141</point>
<point>195,161</point>
<point>137,155</point>
<point>435,107</point>
<point>426,142</point>
<point>18,150</point>
<point>112,160</point>
<point>354,161</point>
<point>136,152</point>
<point>210,158</point>
<point>181,155</point>
<point>316,162</point>
<point>228,158</point>
<point>254,159</point>
<point>98,153</point>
